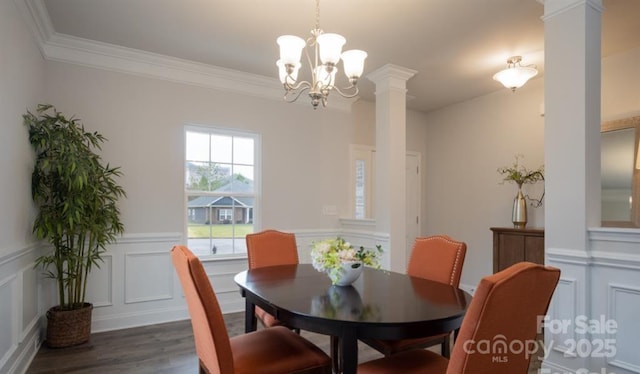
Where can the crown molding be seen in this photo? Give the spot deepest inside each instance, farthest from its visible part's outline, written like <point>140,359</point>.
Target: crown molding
<point>79,51</point>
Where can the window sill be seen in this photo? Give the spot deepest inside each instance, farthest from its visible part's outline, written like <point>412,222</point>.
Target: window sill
<point>221,258</point>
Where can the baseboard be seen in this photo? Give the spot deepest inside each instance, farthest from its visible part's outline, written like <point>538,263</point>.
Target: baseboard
<point>138,318</point>
<point>21,357</point>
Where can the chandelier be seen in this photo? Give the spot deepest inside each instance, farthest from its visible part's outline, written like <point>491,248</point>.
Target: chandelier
<point>515,75</point>
<point>327,49</point>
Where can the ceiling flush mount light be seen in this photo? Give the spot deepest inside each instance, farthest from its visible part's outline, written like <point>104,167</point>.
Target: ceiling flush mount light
<point>327,53</point>
<point>515,75</point>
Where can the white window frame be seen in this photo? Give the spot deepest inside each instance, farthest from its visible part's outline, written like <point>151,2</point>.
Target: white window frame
<point>228,214</point>
<point>257,182</point>
<point>366,155</point>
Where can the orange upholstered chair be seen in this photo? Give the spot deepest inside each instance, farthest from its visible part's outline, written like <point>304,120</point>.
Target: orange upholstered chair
<point>270,248</point>
<point>438,258</point>
<point>274,350</point>
<point>505,308</point>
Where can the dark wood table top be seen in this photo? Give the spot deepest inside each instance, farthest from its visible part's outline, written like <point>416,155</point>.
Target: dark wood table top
<point>380,304</point>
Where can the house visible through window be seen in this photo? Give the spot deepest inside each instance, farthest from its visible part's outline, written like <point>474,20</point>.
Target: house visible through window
<point>220,189</point>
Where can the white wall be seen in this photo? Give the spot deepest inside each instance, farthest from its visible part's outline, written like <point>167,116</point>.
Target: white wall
<point>21,87</point>
<point>620,82</point>
<point>466,143</point>
<point>303,150</point>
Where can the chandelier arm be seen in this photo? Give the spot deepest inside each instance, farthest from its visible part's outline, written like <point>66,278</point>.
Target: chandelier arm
<point>296,93</point>
<point>347,95</point>
<point>301,85</point>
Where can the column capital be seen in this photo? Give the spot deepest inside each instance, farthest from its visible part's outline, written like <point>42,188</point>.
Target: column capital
<point>554,7</point>
<point>390,71</point>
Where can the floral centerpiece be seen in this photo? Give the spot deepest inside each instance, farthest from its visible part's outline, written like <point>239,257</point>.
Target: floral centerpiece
<point>331,255</point>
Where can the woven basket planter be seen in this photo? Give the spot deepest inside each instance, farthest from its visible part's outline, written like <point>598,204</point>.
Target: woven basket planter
<point>66,328</point>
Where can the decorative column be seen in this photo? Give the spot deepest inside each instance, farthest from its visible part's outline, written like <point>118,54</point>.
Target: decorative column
<point>391,150</point>
<point>572,164</point>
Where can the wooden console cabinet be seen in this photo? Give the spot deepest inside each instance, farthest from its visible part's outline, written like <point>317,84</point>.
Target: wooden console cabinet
<point>511,246</point>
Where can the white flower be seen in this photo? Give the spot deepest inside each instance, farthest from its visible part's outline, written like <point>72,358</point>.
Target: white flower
<point>323,247</point>
<point>347,255</point>
<point>328,256</point>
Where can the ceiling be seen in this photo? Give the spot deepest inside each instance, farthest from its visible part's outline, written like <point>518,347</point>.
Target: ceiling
<point>454,45</point>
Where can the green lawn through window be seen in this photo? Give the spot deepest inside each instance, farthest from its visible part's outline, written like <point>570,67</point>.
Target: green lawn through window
<point>219,231</point>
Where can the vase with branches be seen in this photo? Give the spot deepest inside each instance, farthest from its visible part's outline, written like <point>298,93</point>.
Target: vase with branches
<point>520,175</point>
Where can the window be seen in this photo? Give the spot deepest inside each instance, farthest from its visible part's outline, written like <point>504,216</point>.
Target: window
<point>220,189</point>
<point>224,215</point>
<point>360,195</point>
<point>362,159</point>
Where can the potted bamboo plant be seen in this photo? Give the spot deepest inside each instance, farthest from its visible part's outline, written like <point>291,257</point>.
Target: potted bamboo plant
<point>76,196</point>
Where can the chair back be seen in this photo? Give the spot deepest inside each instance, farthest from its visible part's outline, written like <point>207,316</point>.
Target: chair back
<point>438,258</point>
<point>505,309</point>
<point>271,248</point>
<point>209,330</point>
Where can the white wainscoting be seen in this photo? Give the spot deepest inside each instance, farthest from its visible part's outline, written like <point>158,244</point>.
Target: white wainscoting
<point>20,309</point>
<point>602,285</point>
<point>135,285</point>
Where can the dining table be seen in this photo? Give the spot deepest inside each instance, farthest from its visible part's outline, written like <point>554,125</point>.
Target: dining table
<point>380,304</point>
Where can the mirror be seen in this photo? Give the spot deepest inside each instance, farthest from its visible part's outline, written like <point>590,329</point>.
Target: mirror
<point>620,175</point>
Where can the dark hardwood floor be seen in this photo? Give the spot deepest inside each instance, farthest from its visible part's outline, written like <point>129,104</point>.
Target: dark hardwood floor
<point>165,348</point>
<point>161,349</point>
